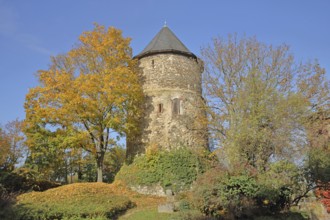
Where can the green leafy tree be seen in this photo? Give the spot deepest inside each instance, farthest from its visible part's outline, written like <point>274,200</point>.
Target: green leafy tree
<point>114,159</point>
<point>46,154</point>
<point>260,101</point>
<point>318,160</point>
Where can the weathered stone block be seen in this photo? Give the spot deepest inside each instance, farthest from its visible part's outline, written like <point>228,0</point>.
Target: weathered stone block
<point>166,208</point>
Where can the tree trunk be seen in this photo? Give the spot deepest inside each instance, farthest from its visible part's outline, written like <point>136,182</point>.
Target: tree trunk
<point>99,163</point>
<point>99,174</point>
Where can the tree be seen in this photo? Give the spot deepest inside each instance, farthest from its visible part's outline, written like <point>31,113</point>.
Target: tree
<point>318,160</point>
<point>4,147</point>
<point>89,94</point>
<point>114,159</point>
<point>48,153</point>
<point>12,147</point>
<point>263,109</point>
<point>260,100</point>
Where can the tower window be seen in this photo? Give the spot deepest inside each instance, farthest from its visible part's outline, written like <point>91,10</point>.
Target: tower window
<point>153,63</point>
<point>176,106</point>
<point>160,108</point>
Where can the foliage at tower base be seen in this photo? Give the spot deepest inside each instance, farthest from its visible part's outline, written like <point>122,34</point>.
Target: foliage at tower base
<point>176,169</point>
<point>86,97</point>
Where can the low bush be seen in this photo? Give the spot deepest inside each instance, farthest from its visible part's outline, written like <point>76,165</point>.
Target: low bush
<point>7,200</point>
<point>23,180</point>
<point>14,183</point>
<point>324,196</point>
<point>219,194</point>
<point>176,169</point>
<point>243,194</point>
<point>74,201</point>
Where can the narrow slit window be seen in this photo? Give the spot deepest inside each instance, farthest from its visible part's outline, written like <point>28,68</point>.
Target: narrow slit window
<point>153,63</point>
<point>176,106</point>
<point>160,108</point>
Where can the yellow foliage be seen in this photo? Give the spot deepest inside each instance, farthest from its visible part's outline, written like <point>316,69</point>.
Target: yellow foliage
<point>265,202</point>
<point>89,92</point>
<point>81,190</point>
<point>152,149</point>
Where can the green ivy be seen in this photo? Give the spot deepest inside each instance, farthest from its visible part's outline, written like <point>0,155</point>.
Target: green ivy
<point>176,169</point>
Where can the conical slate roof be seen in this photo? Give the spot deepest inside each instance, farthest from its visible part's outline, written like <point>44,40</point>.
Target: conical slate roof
<point>165,42</point>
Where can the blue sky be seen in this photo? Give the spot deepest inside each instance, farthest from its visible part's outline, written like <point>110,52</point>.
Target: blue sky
<point>32,31</point>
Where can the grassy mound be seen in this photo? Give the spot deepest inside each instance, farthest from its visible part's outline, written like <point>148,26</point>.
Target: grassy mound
<point>74,201</point>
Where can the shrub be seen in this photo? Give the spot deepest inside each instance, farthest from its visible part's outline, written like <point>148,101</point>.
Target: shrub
<point>280,185</point>
<point>221,193</point>
<point>318,165</point>
<point>324,197</point>
<point>176,169</point>
<point>74,201</point>
<point>184,205</point>
<point>23,180</point>
<point>7,199</point>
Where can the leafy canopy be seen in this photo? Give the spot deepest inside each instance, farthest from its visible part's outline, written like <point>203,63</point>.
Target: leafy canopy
<point>86,95</point>
<point>12,147</point>
<point>260,100</point>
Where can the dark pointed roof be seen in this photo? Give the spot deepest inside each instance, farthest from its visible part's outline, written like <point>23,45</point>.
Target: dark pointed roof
<point>165,42</point>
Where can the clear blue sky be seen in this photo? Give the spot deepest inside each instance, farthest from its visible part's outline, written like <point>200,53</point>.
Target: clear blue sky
<point>33,30</point>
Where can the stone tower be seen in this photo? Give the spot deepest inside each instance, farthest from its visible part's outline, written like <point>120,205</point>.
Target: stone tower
<point>171,77</point>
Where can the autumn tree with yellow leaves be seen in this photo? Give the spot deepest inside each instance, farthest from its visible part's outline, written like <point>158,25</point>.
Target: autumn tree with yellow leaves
<point>87,95</point>
<point>12,148</point>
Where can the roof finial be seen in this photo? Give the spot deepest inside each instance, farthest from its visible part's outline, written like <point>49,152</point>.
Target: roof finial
<point>165,24</point>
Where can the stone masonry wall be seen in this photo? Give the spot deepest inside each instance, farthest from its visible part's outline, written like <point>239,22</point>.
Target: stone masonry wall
<point>173,105</point>
<point>171,71</point>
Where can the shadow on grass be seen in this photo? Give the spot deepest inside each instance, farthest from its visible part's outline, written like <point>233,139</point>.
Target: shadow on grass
<point>7,202</point>
<point>10,210</point>
<point>284,216</point>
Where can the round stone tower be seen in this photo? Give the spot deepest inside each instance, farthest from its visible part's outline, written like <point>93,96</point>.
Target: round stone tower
<point>171,79</point>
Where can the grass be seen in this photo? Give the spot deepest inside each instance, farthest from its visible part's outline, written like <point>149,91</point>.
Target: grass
<point>312,209</point>
<point>74,201</point>
<point>100,201</point>
<point>146,213</point>
<point>152,213</point>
